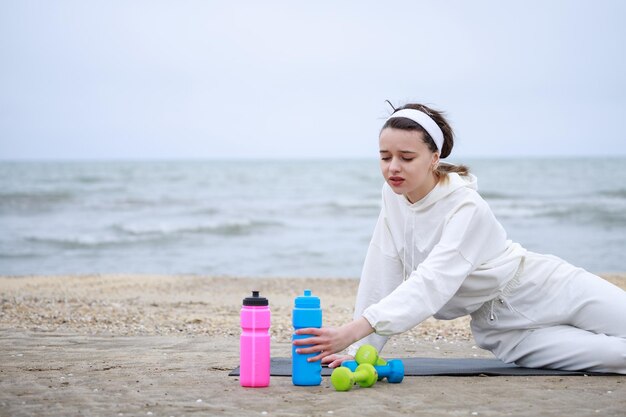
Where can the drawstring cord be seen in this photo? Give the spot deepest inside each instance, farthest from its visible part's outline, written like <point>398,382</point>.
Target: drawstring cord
<point>492,314</point>
<point>404,252</point>
<point>506,290</point>
<point>412,243</point>
<point>411,248</point>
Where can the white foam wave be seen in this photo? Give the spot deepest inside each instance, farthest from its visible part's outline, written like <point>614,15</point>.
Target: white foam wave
<point>355,204</point>
<point>82,240</point>
<point>223,227</point>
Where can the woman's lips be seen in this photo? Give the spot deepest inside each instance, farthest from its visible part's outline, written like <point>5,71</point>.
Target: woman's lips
<point>396,181</point>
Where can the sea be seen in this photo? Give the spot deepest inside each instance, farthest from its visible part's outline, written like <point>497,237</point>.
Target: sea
<point>278,218</point>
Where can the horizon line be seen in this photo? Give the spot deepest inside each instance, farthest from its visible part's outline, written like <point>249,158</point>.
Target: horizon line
<point>303,159</point>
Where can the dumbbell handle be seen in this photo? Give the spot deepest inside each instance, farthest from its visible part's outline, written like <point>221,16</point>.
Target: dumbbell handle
<point>343,378</point>
<point>360,375</point>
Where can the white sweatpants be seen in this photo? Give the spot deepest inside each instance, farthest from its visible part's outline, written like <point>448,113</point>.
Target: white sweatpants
<point>554,315</point>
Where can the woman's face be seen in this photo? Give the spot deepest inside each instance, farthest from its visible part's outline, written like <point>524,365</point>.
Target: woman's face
<point>407,163</point>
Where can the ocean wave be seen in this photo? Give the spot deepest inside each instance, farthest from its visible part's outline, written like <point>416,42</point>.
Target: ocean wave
<point>132,234</point>
<point>225,227</point>
<point>600,213</point>
<point>90,179</point>
<point>620,193</point>
<point>33,201</point>
<point>516,212</point>
<point>81,241</point>
<point>204,211</point>
<point>494,195</point>
<point>19,255</point>
<point>139,202</point>
<point>354,204</point>
<point>589,214</point>
<point>517,208</point>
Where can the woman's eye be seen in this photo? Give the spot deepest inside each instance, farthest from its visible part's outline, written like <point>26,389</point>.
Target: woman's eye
<point>408,159</point>
<point>385,158</point>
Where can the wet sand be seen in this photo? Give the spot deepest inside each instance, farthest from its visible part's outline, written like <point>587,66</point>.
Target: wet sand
<point>163,346</point>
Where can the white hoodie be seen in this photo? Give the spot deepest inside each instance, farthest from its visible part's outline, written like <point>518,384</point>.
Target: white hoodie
<point>444,255</point>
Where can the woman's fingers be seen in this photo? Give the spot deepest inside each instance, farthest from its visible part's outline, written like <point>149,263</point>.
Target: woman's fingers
<point>318,357</point>
<point>330,358</point>
<point>307,341</point>
<point>310,349</point>
<point>335,360</point>
<point>311,344</point>
<point>310,330</point>
<point>315,340</point>
<point>335,363</point>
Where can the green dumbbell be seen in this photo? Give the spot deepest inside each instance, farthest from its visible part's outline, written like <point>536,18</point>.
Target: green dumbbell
<point>343,378</point>
<point>369,354</point>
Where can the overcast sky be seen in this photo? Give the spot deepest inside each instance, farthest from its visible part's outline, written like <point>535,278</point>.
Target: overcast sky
<point>233,79</point>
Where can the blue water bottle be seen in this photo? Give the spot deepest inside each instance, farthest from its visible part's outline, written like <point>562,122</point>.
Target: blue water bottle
<point>306,313</point>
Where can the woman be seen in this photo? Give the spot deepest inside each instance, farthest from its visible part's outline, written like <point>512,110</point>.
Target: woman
<point>438,250</point>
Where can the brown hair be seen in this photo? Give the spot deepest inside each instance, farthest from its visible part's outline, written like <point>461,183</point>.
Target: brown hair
<point>448,136</point>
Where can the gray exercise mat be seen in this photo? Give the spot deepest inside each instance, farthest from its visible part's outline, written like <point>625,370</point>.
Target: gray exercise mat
<point>440,367</point>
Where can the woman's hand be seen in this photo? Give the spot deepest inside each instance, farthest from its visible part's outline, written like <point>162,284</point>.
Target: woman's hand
<point>334,360</point>
<point>329,340</point>
<point>325,341</point>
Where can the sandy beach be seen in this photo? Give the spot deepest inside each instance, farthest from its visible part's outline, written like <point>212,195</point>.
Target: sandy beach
<point>113,345</point>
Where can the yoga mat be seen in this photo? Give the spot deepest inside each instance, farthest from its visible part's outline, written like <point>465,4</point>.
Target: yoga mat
<point>440,367</point>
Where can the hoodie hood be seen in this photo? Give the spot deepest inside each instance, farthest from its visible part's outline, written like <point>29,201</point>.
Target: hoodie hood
<point>443,188</point>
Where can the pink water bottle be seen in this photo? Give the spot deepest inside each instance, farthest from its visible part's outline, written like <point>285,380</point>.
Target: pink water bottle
<point>254,353</point>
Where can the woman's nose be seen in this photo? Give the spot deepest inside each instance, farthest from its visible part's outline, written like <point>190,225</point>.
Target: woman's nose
<point>394,165</point>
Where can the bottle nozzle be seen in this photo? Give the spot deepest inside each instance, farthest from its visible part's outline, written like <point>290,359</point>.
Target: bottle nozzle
<point>307,293</point>
<point>255,300</point>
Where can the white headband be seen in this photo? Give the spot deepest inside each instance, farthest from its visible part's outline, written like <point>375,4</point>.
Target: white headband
<point>423,120</point>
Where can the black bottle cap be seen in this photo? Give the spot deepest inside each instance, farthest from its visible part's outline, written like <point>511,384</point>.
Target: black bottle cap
<point>255,300</point>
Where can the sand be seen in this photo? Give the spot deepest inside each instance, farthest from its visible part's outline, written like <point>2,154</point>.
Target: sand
<point>112,345</point>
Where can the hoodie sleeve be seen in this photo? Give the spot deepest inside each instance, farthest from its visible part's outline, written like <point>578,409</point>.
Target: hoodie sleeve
<point>466,241</point>
<point>382,273</point>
